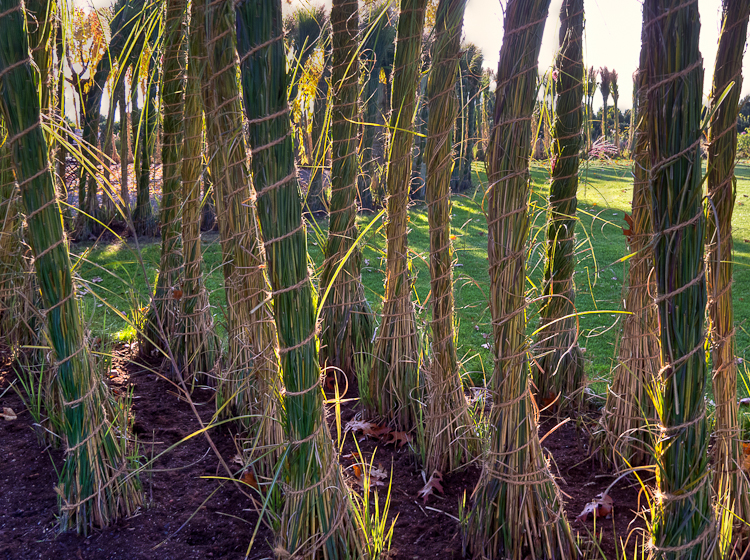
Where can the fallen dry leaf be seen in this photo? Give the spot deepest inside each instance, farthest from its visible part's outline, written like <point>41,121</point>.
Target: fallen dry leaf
<point>398,438</point>
<point>367,428</point>
<point>8,413</point>
<point>602,506</point>
<point>434,484</point>
<point>249,479</point>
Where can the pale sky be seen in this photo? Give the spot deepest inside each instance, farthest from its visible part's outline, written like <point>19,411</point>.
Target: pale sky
<point>613,35</point>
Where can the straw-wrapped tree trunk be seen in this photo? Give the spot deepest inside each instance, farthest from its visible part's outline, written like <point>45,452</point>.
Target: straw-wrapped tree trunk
<point>162,317</point>
<point>317,521</point>
<point>348,321</point>
<point>615,88</point>
<point>626,439</point>
<point>722,150</point>
<point>559,375</point>
<point>250,380</point>
<point>449,439</point>
<point>517,510</point>
<point>95,486</point>
<point>395,372</point>
<point>198,346</point>
<point>683,522</point>
<point>605,85</point>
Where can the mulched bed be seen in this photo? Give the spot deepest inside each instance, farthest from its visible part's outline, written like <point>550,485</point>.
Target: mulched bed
<point>222,526</point>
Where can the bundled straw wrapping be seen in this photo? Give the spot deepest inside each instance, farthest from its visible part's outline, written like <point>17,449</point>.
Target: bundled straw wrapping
<point>250,378</point>
<point>559,371</point>
<point>395,372</point>
<point>450,441</point>
<point>626,440</point>
<point>730,483</point>
<point>347,320</point>
<point>517,511</point>
<point>94,486</point>
<point>683,523</point>
<point>317,521</point>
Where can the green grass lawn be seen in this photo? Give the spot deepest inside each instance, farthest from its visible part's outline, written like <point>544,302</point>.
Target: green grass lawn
<point>604,198</point>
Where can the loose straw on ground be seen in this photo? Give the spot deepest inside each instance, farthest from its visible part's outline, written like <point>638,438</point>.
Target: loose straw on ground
<point>449,438</point>
<point>94,486</point>
<point>683,524</point>
<point>517,510</point>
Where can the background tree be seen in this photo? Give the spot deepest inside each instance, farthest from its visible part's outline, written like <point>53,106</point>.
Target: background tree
<point>615,98</point>
<point>517,510</point>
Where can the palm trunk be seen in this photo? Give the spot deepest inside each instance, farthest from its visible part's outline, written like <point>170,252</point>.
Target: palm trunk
<point>722,150</point>
<point>95,486</point>
<point>559,376</point>
<point>517,510</point>
<point>250,382</point>
<point>348,321</point>
<point>316,521</point>
<point>162,319</point>
<point>449,438</point>
<point>395,373</point>
<point>683,524</point>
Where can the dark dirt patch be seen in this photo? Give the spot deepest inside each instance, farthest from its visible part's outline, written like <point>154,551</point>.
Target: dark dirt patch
<point>221,528</point>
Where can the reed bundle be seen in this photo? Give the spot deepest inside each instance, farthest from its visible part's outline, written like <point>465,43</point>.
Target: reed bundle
<point>162,319</point>
<point>198,346</point>
<point>625,438</point>
<point>449,437</point>
<point>591,85</point>
<point>395,372</point>
<point>606,89</point>
<point>560,362</point>
<point>729,483</point>
<point>683,523</point>
<point>347,319</point>
<point>517,510</point>
<point>95,486</point>
<point>317,520</point>
<point>615,89</point>
<point>250,380</point>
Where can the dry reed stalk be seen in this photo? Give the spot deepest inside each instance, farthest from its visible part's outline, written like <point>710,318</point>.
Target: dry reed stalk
<point>450,440</point>
<point>317,520</point>
<point>162,319</point>
<point>198,345</point>
<point>250,380</point>
<point>347,319</point>
<point>559,371</point>
<point>729,483</point>
<point>395,375</point>
<point>95,486</point>
<point>517,510</point>
<point>682,518</point>
<point>625,438</point>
